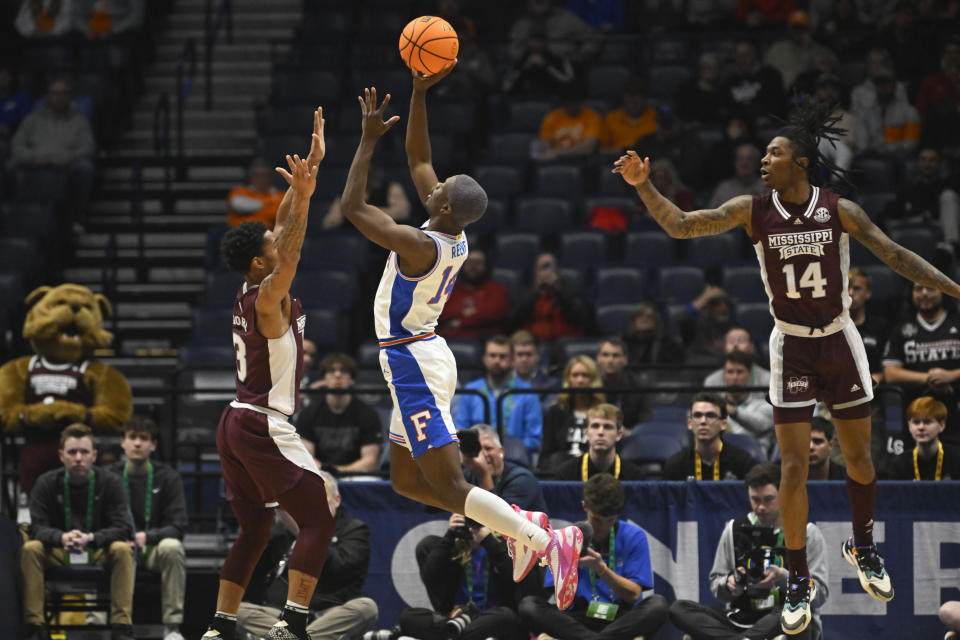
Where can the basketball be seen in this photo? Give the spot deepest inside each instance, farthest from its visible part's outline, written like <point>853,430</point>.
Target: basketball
<point>428,44</point>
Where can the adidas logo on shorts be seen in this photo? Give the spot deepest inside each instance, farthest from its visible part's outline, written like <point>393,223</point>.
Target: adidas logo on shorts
<point>855,387</point>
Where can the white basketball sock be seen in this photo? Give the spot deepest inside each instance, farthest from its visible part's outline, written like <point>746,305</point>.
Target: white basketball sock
<point>492,511</point>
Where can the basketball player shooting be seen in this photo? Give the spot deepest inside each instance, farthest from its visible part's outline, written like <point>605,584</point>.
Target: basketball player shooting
<point>417,363</point>
<point>801,236</point>
<point>262,458</point>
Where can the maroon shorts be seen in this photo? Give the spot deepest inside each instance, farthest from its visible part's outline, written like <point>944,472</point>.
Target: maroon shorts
<point>833,369</point>
<point>261,455</point>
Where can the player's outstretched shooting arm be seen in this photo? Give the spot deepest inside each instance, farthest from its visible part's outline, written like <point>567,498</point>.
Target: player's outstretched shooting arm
<point>416,250</point>
<point>419,157</point>
<point>903,261</point>
<point>677,223</point>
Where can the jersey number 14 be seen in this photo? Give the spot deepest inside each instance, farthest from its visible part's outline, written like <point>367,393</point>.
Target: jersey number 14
<point>812,278</point>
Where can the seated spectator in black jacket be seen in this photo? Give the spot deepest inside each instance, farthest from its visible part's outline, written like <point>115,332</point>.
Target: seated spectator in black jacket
<point>341,431</point>
<point>604,431</point>
<point>155,496</point>
<point>821,444</point>
<point>612,361</point>
<point>647,340</point>
<point>709,458</point>
<point>337,607</point>
<point>928,198</point>
<point>565,423</point>
<point>615,570</point>
<point>930,459</point>
<point>489,470</point>
<point>65,531</point>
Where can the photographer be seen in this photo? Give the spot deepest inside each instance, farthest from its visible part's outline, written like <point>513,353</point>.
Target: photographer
<point>482,456</point>
<point>748,572</point>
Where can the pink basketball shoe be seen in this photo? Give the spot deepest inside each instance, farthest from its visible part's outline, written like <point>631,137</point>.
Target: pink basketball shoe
<point>563,556</point>
<point>525,558</point>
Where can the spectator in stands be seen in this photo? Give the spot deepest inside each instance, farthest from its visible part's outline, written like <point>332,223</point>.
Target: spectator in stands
<point>478,305</point>
<point>754,597</point>
<point>941,85</point>
<point>338,608</point>
<point>663,174</point>
<point>257,201</point>
<point>99,19</point>
<point>567,35</point>
<point>873,327</point>
<point>64,530</point>
<point>604,431</point>
<point>538,71</point>
<point>746,177</point>
<point>888,126</point>
<point>864,95</point>
<point>709,458</point>
<point>840,151</point>
<point>521,412</point>
<point>475,77</point>
<point>565,423</point>
<point>633,120</point>
<point>929,459</point>
<point>43,18</point>
<point>910,45</point>
<point>821,444</point>
<point>795,54</point>
<point>921,355</point>
<point>551,308</point>
<point>615,570</point>
<point>155,497</point>
<point>718,162</point>
<point>705,324</point>
<point>526,360</point>
<point>747,411</point>
<point>490,470</point>
<point>342,432</point>
<point>646,339</point>
<point>928,199</point>
<point>612,362</point>
<point>58,136</point>
<point>572,130</point>
<point>941,128</point>
<point>698,100</point>
<point>387,194</point>
<point>309,368</point>
<point>606,16</point>
<point>674,142</point>
<point>739,339</point>
<point>753,90</point>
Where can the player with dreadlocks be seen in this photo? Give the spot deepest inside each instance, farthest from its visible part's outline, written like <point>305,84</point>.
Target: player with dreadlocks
<point>801,234</point>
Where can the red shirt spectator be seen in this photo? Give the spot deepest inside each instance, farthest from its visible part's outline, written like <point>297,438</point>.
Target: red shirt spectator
<point>478,305</point>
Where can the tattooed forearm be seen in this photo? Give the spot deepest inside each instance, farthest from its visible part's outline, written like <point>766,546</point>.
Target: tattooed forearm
<point>682,224</point>
<point>291,236</point>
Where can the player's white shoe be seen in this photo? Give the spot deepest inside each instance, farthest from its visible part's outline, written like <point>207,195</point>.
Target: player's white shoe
<point>869,563</point>
<point>797,609</point>
<point>525,558</point>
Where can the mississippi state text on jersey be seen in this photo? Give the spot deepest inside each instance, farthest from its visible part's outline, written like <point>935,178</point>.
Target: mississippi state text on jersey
<point>268,369</point>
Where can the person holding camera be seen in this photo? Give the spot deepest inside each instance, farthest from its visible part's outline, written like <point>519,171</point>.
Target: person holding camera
<point>483,459</point>
<point>614,569</point>
<point>749,574</point>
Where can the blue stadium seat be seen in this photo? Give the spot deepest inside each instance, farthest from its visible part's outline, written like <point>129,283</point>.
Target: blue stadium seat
<point>650,248</point>
<point>558,181</point>
<point>525,116</point>
<point>744,283</point>
<point>212,325</point>
<point>676,429</point>
<point>326,327</point>
<point>650,447</point>
<point>612,184</point>
<point>570,347</point>
<point>499,181</point>
<point>515,451</point>
<point>665,79</point>
<point>920,240</point>
<point>619,285</point>
<point>672,316</point>
<point>327,288</point>
<point>708,252</point>
<point>680,284</point>
<point>874,204</point>
<point>670,413</point>
<point>340,250</point>
<point>607,81</point>
<point>756,319</point>
<point>874,172</point>
<point>467,352</point>
<point>861,257</point>
<point>612,318</point>
<point>746,442</point>
<point>510,148</point>
<point>516,250</point>
<point>511,279</point>
<point>582,249</point>
<point>493,220</point>
<point>220,288</point>
<point>543,215</point>
<point>885,284</point>
<point>576,279</point>
<point>368,354</point>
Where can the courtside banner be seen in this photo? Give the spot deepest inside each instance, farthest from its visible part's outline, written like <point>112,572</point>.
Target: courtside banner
<point>917,529</point>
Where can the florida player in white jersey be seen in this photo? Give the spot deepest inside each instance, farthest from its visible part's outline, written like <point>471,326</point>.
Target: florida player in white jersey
<point>801,235</point>
<point>262,458</point>
<point>417,364</point>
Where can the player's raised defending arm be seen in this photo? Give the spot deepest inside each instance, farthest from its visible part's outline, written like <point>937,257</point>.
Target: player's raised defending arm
<point>318,149</point>
<point>419,157</point>
<point>677,223</point>
<point>415,248</point>
<point>903,261</point>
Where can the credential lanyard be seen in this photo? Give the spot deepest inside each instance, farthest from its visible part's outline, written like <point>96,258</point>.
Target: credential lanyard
<point>916,463</point>
<point>68,509</point>
<point>585,475</point>
<point>147,499</point>
<point>611,560</point>
<point>698,464</point>
<point>468,571</point>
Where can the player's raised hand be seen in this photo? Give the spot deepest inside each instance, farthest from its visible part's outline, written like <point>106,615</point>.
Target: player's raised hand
<point>632,169</point>
<point>318,144</point>
<point>423,82</point>
<point>373,123</point>
<point>302,177</point>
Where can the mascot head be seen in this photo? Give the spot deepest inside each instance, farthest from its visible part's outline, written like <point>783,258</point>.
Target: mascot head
<point>65,323</point>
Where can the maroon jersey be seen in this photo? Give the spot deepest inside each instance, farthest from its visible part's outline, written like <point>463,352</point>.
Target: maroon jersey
<point>804,256</point>
<point>47,382</point>
<point>268,369</point>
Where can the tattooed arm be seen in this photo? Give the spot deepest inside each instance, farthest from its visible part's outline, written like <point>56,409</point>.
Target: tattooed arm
<point>903,261</point>
<point>682,224</point>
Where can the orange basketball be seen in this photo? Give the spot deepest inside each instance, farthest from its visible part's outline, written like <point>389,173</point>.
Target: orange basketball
<point>428,44</point>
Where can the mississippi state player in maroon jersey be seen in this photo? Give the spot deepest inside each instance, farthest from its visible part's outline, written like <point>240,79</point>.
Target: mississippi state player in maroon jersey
<point>262,458</point>
<point>801,236</point>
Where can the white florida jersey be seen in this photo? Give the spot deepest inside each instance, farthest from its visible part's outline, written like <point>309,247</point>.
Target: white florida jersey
<point>409,307</point>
